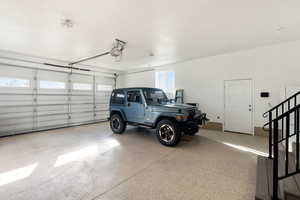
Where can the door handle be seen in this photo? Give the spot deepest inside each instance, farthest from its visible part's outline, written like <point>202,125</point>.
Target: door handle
<point>250,109</point>
<point>128,104</point>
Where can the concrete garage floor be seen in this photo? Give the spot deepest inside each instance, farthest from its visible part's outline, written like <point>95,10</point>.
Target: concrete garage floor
<point>89,162</point>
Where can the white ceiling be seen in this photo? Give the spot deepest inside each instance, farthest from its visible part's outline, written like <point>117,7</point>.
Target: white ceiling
<point>173,30</point>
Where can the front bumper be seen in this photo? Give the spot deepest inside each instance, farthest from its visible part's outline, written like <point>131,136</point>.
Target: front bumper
<point>190,127</point>
<point>199,118</point>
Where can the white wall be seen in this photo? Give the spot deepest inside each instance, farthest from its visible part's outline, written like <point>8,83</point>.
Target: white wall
<point>139,79</point>
<point>272,68</point>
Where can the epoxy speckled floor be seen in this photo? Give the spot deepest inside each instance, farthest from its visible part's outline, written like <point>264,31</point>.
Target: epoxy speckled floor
<point>91,163</point>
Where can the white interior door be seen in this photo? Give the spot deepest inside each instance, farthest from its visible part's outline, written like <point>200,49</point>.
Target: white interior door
<point>238,106</point>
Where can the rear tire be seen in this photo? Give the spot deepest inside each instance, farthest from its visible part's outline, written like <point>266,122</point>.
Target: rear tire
<point>117,124</point>
<point>168,133</point>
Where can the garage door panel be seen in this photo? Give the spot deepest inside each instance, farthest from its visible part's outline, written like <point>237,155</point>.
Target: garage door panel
<point>101,115</point>
<point>52,123</point>
<point>15,97</point>
<point>82,106</point>
<point>82,85</point>
<point>35,99</point>
<point>10,130</point>
<point>102,100</point>
<point>14,103</point>
<point>82,110</point>
<point>15,100</point>
<point>52,99</point>
<point>82,117</point>
<point>15,121</point>
<point>52,75</point>
<point>102,106</point>
<point>54,110</point>
<point>48,118</point>
<point>82,100</point>
<point>52,91</point>
<point>52,82</point>
<point>15,109</point>
<point>11,115</point>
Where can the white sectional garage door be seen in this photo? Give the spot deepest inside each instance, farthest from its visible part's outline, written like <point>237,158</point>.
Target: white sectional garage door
<point>36,99</point>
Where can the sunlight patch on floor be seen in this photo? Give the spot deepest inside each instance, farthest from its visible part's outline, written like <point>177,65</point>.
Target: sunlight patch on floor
<point>17,174</point>
<point>246,149</point>
<point>92,150</point>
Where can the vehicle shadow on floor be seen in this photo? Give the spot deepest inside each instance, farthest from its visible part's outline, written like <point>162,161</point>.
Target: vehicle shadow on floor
<point>143,133</point>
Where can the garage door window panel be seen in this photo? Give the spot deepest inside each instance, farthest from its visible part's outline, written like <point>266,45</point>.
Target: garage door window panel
<point>104,88</point>
<point>9,82</point>
<point>82,86</point>
<point>43,84</point>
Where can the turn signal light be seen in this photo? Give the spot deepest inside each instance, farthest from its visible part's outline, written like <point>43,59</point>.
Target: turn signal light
<point>180,117</point>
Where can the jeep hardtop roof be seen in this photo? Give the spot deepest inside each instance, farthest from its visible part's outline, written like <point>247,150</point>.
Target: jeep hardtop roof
<point>135,88</point>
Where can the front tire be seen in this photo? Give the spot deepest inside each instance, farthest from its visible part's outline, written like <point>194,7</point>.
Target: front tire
<point>117,124</point>
<point>168,133</point>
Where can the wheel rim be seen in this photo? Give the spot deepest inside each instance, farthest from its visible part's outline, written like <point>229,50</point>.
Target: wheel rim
<point>166,133</point>
<point>116,123</point>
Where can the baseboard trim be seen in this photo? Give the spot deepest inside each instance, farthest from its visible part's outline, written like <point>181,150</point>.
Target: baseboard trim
<point>216,126</point>
<point>258,131</point>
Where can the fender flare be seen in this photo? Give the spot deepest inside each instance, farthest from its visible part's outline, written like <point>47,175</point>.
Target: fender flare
<point>119,111</point>
<point>163,116</point>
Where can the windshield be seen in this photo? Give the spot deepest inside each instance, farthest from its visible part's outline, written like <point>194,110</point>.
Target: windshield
<point>155,96</point>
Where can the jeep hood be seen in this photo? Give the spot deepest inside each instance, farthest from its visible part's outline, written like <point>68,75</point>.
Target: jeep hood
<point>171,107</point>
<point>178,106</point>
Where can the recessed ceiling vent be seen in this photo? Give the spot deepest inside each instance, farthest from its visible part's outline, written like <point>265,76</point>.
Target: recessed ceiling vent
<point>67,23</point>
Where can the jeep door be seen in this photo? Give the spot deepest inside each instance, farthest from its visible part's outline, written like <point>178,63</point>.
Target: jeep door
<point>134,109</point>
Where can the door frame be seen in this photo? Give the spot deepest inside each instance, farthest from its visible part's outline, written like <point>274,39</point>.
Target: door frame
<point>252,101</point>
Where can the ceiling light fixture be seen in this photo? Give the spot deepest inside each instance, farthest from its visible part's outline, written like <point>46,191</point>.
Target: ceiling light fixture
<point>68,23</point>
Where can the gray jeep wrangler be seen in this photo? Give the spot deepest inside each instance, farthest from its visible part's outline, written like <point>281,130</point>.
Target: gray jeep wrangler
<point>150,107</point>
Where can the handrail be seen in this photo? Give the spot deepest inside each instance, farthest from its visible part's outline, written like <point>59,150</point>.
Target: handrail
<point>286,113</point>
<point>288,99</point>
<point>274,123</point>
<point>266,124</point>
<point>281,116</point>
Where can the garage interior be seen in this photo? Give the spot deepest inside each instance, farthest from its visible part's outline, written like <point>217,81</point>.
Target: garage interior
<point>235,61</point>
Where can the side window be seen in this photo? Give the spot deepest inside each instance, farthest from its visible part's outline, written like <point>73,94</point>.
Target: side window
<point>118,97</point>
<point>134,96</point>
